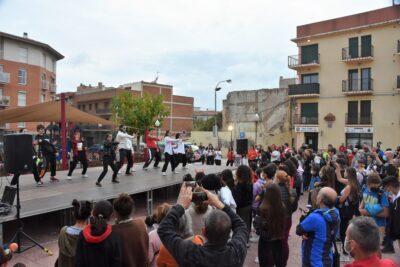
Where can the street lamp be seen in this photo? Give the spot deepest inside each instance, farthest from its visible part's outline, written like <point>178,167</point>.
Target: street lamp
<point>230,128</point>
<point>256,120</point>
<point>157,124</point>
<point>217,88</point>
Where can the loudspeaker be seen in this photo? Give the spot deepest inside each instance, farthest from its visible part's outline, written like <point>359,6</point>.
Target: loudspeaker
<point>18,153</point>
<point>241,146</point>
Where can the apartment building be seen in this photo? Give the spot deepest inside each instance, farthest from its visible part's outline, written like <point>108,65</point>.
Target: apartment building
<point>97,101</point>
<point>27,74</point>
<point>348,83</point>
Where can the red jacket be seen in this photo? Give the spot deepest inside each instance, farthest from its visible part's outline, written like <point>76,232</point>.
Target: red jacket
<point>75,147</point>
<point>230,155</point>
<point>151,142</point>
<point>373,261</point>
<point>252,154</point>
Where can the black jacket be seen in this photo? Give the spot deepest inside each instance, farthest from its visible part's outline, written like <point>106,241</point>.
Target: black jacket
<point>394,219</point>
<point>99,251</point>
<point>109,149</point>
<point>290,202</point>
<point>243,195</point>
<point>187,253</point>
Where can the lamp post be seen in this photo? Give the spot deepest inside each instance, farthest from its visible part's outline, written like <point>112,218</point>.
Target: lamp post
<point>157,124</point>
<point>230,128</point>
<point>217,88</point>
<point>256,120</point>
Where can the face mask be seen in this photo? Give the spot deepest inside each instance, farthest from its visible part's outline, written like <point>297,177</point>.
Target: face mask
<point>347,246</point>
<point>384,158</point>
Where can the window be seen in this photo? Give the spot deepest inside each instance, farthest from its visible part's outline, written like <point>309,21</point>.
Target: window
<point>365,112</point>
<point>354,139</point>
<point>96,105</point>
<point>309,54</point>
<point>21,125</point>
<point>353,80</point>
<point>43,98</point>
<point>309,113</point>
<point>1,68</point>
<point>366,79</point>
<point>90,106</point>
<point>353,47</point>
<point>366,46</point>
<point>106,105</point>
<point>23,54</point>
<point>22,76</point>
<point>1,92</point>
<point>21,98</point>
<point>352,111</point>
<point>309,78</point>
<point>44,60</point>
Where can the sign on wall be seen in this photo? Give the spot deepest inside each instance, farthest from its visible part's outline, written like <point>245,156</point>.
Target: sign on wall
<point>242,135</point>
<point>306,129</point>
<point>358,129</point>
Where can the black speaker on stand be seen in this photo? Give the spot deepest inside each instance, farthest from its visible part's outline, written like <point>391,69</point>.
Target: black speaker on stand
<point>18,155</point>
<point>242,146</point>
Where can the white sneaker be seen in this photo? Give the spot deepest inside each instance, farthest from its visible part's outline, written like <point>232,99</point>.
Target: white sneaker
<point>184,167</point>
<point>164,174</point>
<point>119,172</point>
<point>69,178</point>
<point>176,172</point>
<point>85,176</point>
<point>133,170</point>
<point>256,260</point>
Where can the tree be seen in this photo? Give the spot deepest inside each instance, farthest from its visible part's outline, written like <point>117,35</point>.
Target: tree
<point>207,125</point>
<point>138,113</point>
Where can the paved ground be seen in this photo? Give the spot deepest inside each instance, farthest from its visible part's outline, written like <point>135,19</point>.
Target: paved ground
<point>45,229</point>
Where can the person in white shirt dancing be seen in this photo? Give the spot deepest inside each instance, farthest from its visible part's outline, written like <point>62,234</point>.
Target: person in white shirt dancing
<point>179,151</point>
<point>125,149</point>
<point>170,145</point>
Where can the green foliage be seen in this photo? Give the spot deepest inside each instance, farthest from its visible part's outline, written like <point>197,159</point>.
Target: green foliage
<point>201,125</point>
<point>138,113</point>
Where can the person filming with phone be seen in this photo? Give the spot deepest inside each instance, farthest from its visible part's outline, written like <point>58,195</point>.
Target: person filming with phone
<point>217,250</point>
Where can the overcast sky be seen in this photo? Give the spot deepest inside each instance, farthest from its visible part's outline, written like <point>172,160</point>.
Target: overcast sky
<point>192,43</point>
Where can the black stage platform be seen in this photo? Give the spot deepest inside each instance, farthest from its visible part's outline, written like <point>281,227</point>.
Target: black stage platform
<point>58,196</point>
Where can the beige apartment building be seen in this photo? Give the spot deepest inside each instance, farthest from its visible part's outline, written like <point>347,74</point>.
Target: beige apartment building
<point>348,87</point>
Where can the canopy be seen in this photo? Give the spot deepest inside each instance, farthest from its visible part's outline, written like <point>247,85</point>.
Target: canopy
<point>47,112</point>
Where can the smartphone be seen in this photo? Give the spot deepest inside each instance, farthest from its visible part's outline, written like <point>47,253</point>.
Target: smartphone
<point>199,197</point>
<point>190,183</point>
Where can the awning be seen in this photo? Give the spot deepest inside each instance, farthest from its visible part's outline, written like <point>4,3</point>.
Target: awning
<point>49,112</point>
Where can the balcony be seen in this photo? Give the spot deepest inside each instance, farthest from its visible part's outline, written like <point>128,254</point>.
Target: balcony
<point>4,77</point>
<point>305,120</point>
<point>4,101</point>
<point>53,87</point>
<point>305,90</point>
<point>103,111</point>
<point>44,85</point>
<point>358,119</point>
<point>358,86</point>
<point>357,55</point>
<point>296,62</point>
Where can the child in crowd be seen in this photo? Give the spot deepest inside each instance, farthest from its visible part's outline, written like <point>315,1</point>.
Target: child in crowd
<point>228,185</point>
<point>314,176</point>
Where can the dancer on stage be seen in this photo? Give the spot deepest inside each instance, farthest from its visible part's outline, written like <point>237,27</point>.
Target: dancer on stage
<point>48,150</point>
<point>179,151</point>
<point>125,149</point>
<point>78,154</point>
<point>108,160</point>
<point>154,151</point>
<point>170,145</point>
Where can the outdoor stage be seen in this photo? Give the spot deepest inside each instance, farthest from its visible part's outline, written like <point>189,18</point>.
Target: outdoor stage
<point>58,196</point>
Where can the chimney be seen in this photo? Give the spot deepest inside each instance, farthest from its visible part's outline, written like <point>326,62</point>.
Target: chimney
<point>25,35</point>
<point>100,85</point>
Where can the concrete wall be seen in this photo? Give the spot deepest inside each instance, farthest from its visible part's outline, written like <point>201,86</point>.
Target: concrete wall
<point>272,106</point>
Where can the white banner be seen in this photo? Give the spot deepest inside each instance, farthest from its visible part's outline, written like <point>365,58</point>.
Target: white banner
<point>306,129</point>
<point>358,129</point>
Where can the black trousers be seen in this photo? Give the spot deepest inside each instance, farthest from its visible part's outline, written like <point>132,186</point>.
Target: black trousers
<point>180,158</point>
<point>124,153</point>
<point>154,154</point>
<point>202,159</point>
<point>270,253</point>
<point>108,161</point>
<point>218,162</point>
<point>229,162</point>
<point>51,162</point>
<point>80,157</point>
<point>210,160</point>
<point>168,159</point>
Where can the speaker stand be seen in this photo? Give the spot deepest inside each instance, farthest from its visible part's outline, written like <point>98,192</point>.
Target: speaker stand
<point>20,231</point>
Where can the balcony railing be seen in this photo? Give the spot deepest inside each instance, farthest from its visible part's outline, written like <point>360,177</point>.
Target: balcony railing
<point>305,89</point>
<point>358,53</point>
<point>358,119</point>
<point>4,77</point>
<point>4,101</point>
<point>358,86</point>
<point>307,120</point>
<point>53,87</point>
<point>45,85</point>
<point>103,111</point>
<point>297,61</point>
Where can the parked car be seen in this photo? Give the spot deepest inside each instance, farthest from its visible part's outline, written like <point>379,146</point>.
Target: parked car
<point>95,148</point>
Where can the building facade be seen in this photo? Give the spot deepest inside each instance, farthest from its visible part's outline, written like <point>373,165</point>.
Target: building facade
<point>348,81</point>
<point>97,101</point>
<point>203,115</point>
<point>27,74</point>
<point>262,116</point>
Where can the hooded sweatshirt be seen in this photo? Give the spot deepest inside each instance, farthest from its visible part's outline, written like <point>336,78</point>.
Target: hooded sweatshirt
<point>67,242</point>
<point>100,251</point>
<point>321,228</point>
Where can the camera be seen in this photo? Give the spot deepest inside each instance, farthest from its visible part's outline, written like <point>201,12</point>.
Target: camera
<point>199,197</point>
<point>190,184</point>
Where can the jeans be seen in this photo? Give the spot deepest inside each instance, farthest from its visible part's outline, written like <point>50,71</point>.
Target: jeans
<point>81,156</point>
<point>125,153</point>
<point>168,159</point>
<point>108,161</point>
<point>153,154</point>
